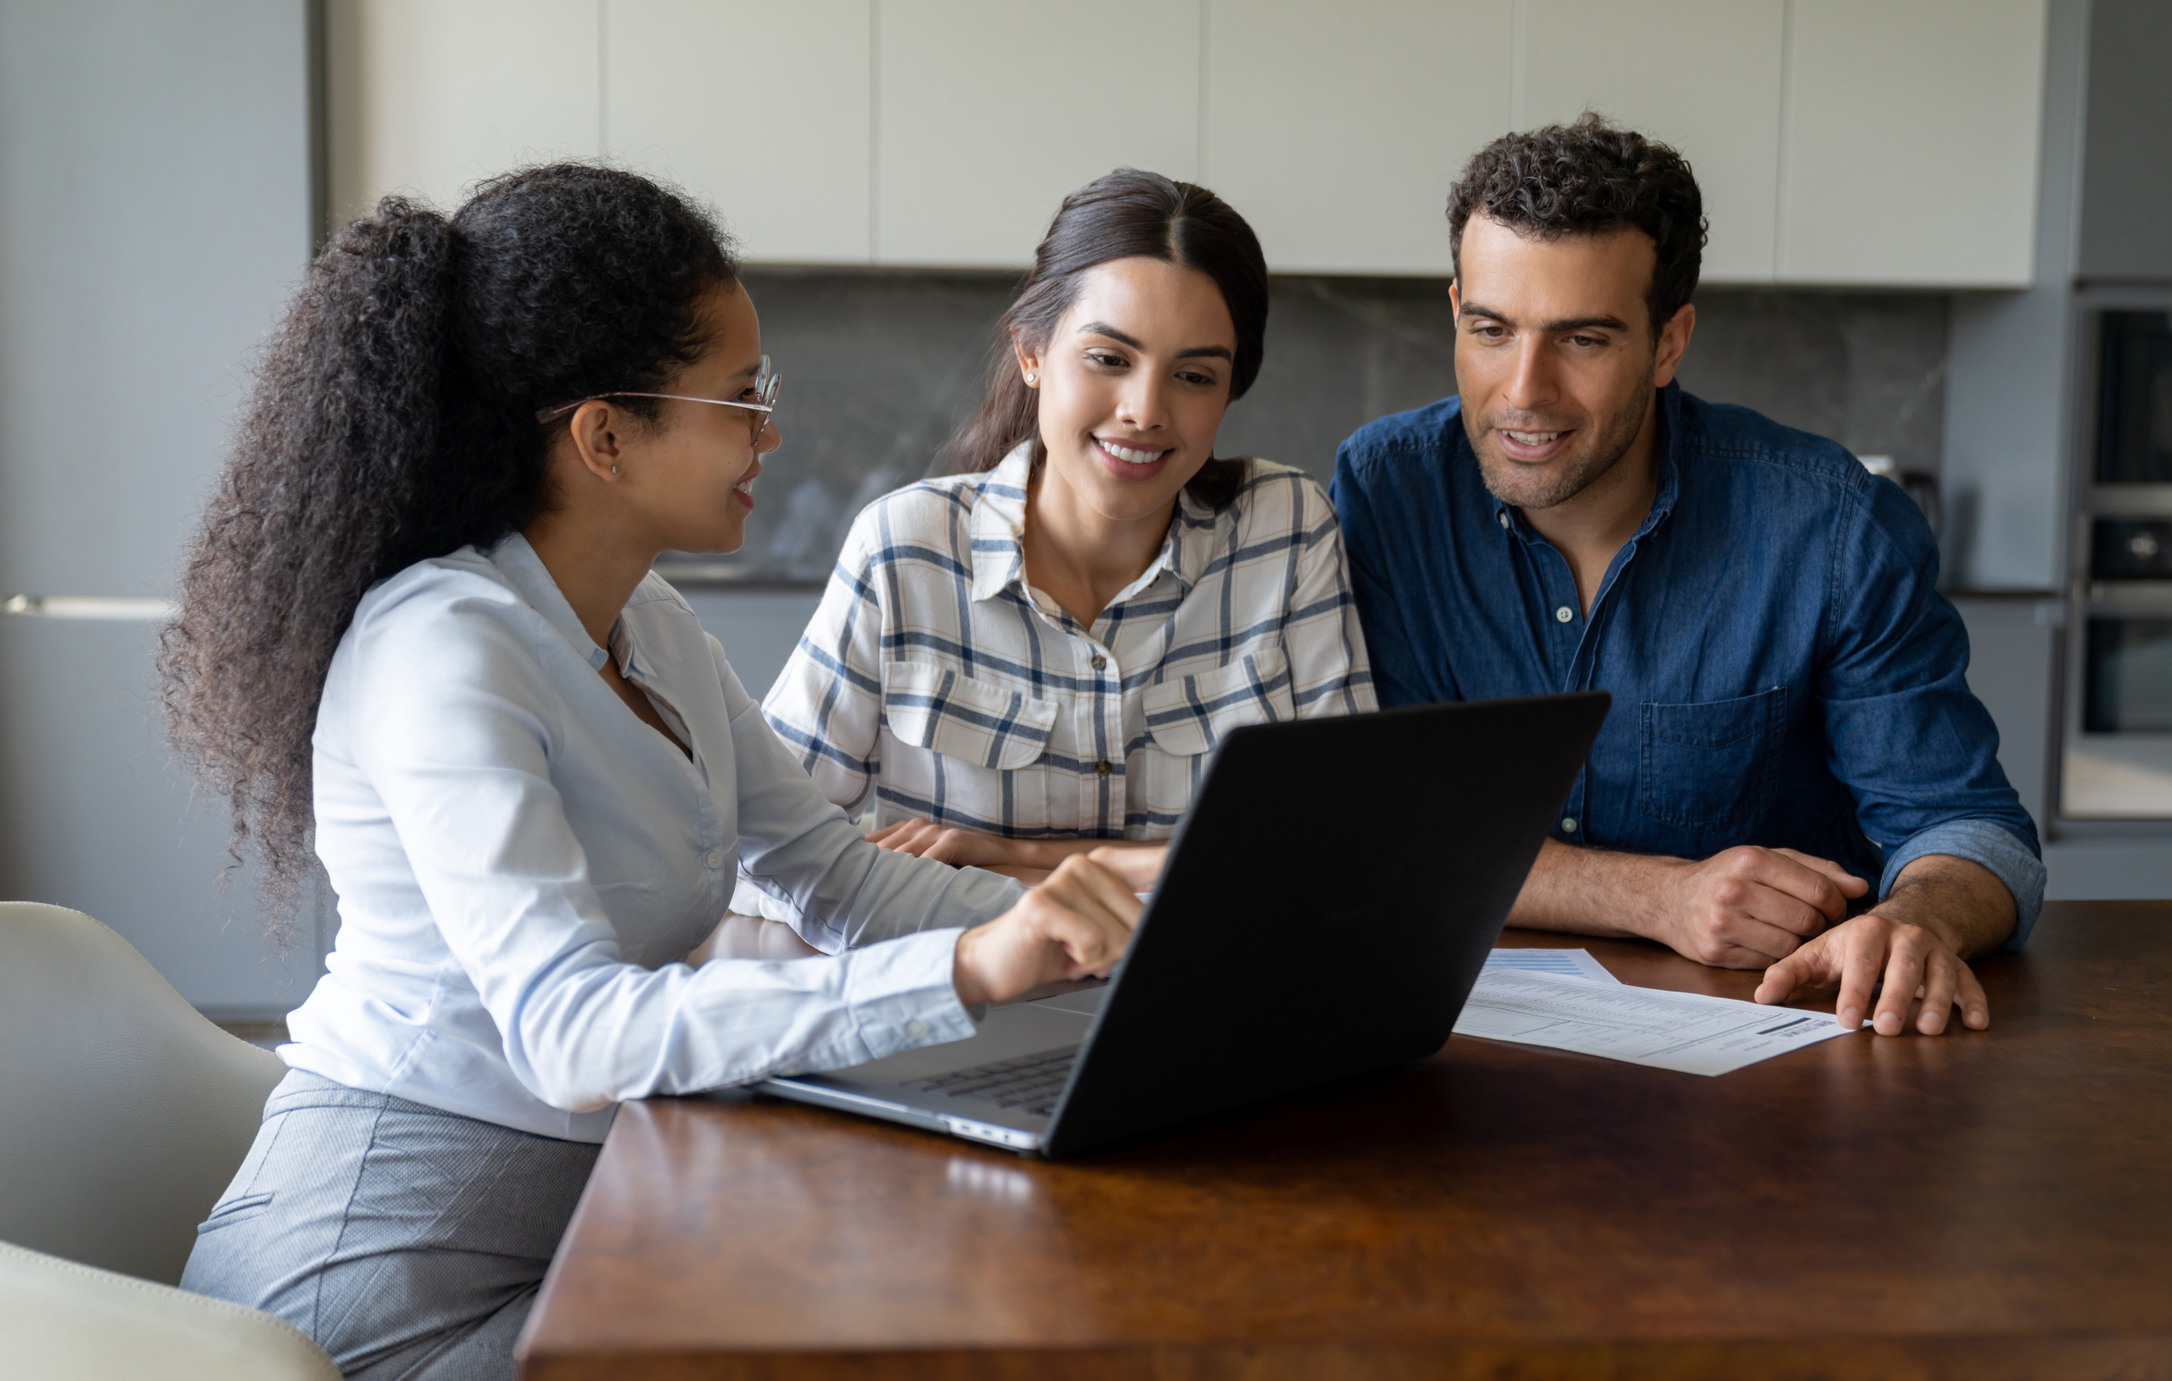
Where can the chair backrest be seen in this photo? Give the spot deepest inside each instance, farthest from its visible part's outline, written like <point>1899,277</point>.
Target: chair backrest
<point>123,1112</point>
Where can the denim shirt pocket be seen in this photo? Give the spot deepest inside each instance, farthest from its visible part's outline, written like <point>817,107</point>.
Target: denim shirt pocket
<point>1710,767</point>
<point>979,722</point>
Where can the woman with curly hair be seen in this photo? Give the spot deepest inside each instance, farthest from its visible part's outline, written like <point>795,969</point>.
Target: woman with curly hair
<point>420,643</point>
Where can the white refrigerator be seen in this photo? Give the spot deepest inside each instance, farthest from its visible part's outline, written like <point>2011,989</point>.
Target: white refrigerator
<point>156,208</point>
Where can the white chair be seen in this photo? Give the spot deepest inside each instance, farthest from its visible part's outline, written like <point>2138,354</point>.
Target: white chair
<point>126,1114</point>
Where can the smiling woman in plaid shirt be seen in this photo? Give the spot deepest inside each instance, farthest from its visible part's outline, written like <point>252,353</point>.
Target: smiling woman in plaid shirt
<point>1015,662</point>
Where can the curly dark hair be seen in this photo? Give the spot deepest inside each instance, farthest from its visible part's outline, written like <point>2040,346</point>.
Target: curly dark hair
<point>1128,214</point>
<point>1586,179</point>
<point>393,419</point>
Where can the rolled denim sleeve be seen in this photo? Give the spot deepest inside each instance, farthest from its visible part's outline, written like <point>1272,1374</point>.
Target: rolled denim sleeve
<point>2011,860</point>
<point>1911,741</point>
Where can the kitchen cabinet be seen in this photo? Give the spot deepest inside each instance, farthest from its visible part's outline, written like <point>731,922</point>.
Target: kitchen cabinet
<point>2126,203</point>
<point>1337,133</point>
<point>1862,142</point>
<point>1702,75</point>
<point>429,96</point>
<point>1911,142</point>
<point>761,110</point>
<point>989,111</point>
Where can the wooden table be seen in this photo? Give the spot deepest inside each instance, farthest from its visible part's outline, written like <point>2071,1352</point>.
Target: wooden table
<point>1987,1205</point>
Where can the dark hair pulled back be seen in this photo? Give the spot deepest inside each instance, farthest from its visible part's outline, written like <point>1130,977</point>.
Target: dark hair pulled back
<point>1128,214</point>
<point>392,419</point>
<point>1590,178</point>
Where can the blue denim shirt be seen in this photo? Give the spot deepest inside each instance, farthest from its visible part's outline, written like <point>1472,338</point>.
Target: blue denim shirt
<point>1784,670</point>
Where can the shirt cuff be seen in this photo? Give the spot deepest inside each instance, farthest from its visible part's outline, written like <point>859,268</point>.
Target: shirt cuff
<point>2008,857</point>
<point>901,996</point>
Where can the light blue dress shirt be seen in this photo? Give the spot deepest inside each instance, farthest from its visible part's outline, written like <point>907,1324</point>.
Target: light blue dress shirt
<point>521,864</point>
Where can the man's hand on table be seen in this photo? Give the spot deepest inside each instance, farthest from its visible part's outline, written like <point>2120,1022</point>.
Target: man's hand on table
<point>1941,909</point>
<point>1742,908</point>
<point>1784,911</point>
<point>1073,925</point>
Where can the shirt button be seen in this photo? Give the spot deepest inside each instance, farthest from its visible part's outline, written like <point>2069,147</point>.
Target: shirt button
<point>1564,614</point>
<point>916,1029</point>
<point>1102,768</point>
<point>1568,826</point>
<point>1101,663</point>
<point>1503,516</point>
<point>715,859</point>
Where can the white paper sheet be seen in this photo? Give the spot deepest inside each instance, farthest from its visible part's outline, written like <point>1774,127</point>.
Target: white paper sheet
<point>1562,963</point>
<point>1681,1031</point>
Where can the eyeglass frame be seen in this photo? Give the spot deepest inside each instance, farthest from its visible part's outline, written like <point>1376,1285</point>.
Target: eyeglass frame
<point>765,384</point>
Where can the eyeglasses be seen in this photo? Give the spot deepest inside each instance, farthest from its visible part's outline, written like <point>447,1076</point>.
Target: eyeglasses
<point>765,393</point>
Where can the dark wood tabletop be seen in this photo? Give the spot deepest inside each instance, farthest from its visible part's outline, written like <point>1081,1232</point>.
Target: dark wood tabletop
<point>1989,1204</point>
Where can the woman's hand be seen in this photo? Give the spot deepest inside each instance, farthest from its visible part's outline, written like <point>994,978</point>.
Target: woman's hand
<point>1075,924</point>
<point>959,848</point>
<point>1029,860</point>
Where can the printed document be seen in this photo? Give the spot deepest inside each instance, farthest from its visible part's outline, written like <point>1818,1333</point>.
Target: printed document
<point>1567,963</point>
<point>1688,1032</point>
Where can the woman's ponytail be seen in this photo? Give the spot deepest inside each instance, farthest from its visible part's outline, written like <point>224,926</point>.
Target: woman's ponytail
<point>393,420</point>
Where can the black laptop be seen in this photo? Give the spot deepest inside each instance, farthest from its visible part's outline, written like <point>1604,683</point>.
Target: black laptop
<point>1326,907</point>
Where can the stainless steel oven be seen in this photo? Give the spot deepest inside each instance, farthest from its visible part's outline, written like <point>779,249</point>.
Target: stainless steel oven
<point>2116,760</point>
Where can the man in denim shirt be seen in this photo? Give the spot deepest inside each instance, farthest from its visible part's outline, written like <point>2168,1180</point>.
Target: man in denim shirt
<point>1790,721</point>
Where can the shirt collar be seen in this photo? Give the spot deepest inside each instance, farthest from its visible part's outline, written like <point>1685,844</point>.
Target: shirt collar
<point>998,529</point>
<point>1666,444</point>
<point>519,564</point>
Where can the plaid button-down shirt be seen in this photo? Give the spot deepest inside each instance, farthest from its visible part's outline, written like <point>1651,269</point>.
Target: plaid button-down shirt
<point>935,682</point>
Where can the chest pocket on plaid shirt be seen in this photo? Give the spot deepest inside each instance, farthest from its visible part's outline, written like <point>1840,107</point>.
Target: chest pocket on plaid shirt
<point>1187,717</point>
<point>988,725</point>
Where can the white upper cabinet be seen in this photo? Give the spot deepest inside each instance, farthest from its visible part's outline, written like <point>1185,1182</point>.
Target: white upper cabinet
<point>1701,75</point>
<point>1872,142</point>
<point>431,96</point>
<point>989,111</point>
<point>1336,130</point>
<point>760,109</point>
<point>1910,142</point>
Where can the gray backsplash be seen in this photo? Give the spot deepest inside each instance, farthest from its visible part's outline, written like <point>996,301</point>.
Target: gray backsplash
<point>880,365</point>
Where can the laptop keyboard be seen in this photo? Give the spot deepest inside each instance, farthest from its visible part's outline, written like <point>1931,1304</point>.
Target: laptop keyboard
<point>1030,1083</point>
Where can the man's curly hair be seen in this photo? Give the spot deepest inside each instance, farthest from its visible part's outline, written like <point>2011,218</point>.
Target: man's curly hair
<point>1587,179</point>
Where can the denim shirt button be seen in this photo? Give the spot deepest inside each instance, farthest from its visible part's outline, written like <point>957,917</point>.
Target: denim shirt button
<point>1564,614</point>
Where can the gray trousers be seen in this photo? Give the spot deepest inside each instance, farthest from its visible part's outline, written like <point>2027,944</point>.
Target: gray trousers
<point>407,1241</point>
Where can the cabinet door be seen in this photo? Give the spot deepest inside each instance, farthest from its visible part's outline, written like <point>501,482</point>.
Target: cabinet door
<point>1911,141</point>
<point>989,111</point>
<point>429,96</point>
<point>760,109</point>
<point>1702,75</point>
<point>1337,130</point>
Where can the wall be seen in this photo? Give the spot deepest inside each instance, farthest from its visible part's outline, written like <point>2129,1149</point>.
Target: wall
<point>2009,415</point>
<point>881,365</point>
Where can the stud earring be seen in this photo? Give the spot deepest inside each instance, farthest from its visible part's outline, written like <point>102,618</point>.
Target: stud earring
<point>614,469</point>
<point>1033,378</point>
